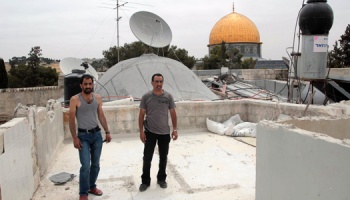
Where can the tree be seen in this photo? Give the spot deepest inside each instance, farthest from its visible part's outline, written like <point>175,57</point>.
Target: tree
<point>220,56</point>
<point>25,76</point>
<point>223,54</point>
<point>31,75</point>
<point>180,55</point>
<point>15,61</point>
<point>127,51</point>
<point>248,63</point>
<point>339,57</point>
<point>34,57</point>
<point>3,74</point>
<point>136,49</point>
<point>99,64</point>
<point>236,58</point>
<point>213,61</point>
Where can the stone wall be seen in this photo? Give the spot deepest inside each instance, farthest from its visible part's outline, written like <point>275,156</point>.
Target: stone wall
<point>339,73</point>
<point>11,97</point>
<point>259,74</point>
<point>248,74</point>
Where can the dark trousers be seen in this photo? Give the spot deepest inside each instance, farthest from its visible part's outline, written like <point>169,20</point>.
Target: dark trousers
<point>163,149</point>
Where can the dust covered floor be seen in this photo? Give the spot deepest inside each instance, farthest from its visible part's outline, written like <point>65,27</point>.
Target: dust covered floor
<point>201,165</point>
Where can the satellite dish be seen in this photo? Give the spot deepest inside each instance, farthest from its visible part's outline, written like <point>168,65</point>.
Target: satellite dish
<point>69,64</point>
<point>150,29</point>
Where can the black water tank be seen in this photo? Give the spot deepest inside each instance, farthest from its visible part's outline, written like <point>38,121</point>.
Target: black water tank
<point>72,84</point>
<point>316,18</point>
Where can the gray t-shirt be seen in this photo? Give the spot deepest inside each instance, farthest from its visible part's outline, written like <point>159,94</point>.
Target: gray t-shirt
<point>157,111</point>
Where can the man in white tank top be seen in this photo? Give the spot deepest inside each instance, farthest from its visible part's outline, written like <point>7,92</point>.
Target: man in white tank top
<point>87,107</point>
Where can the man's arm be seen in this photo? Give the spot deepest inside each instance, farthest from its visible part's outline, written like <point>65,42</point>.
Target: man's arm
<point>141,121</point>
<point>174,134</point>
<point>73,103</point>
<point>102,118</point>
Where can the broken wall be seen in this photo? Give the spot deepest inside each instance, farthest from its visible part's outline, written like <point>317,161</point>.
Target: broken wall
<point>27,148</point>
<point>11,97</point>
<point>336,128</point>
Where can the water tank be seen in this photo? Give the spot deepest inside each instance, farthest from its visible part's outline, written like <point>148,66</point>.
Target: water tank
<point>315,21</point>
<point>72,85</point>
<point>316,18</point>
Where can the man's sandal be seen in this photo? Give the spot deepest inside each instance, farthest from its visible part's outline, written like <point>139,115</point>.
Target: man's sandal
<point>96,192</point>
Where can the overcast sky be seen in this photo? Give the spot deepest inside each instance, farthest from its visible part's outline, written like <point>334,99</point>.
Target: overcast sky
<point>85,28</point>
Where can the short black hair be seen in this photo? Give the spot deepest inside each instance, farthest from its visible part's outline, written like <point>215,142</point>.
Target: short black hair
<point>86,76</point>
<point>157,74</point>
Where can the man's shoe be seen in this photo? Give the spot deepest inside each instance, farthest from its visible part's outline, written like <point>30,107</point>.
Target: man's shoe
<point>83,197</point>
<point>95,191</point>
<point>162,184</point>
<point>143,187</point>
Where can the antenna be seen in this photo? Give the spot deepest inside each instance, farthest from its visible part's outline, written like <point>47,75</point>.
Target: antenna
<point>67,65</point>
<point>118,18</point>
<point>150,29</point>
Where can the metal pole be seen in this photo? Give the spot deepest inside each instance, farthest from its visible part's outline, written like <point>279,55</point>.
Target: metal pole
<point>118,29</point>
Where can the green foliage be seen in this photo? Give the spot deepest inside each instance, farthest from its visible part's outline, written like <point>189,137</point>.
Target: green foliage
<point>20,76</point>
<point>235,58</point>
<point>248,63</point>
<point>180,55</point>
<point>136,49</point>
<point>99,65</point>
<point>220,56</point>
<point>25,76</point>
<point>127,51</point>
<point>32,74</point>
<point>339,57</point>
<point>15,61</point>
<point>34,57</point>
<point>3,74</point>
<point>48,60</point>
<point>47,76</point>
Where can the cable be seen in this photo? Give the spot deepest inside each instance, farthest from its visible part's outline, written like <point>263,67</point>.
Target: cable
<point>93,34</point>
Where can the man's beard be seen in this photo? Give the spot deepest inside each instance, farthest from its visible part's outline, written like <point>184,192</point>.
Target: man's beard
<point>87,90</point>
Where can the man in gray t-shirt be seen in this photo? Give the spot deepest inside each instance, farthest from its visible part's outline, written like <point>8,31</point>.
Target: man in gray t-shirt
<point>156,105</point>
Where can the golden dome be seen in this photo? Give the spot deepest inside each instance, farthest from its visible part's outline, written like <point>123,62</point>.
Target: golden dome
<point>234,28</point>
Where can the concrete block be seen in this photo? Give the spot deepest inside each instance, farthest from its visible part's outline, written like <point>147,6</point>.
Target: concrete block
<point>201,122</point>
<point>125,114</point>
<point>129,127</point>
<point>225,108</point>
<point>186,122</point>
<point>207,109</point>
<point>186,109</point>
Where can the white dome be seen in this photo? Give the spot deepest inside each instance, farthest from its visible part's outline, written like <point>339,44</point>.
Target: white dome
<point>134,76</point>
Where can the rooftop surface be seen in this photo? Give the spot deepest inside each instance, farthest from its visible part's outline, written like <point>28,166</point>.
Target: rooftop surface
<point>201,165</point>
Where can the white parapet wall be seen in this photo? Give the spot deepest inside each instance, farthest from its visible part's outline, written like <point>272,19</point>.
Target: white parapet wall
<point>28,146</point>
<point>293,163</point>
<point>192,115</point>
<point>16,163</point>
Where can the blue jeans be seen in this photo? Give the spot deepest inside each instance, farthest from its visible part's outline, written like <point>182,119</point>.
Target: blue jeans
<point>163,149</point>
<point>92,147</point>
